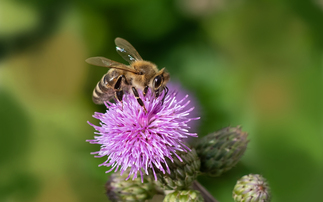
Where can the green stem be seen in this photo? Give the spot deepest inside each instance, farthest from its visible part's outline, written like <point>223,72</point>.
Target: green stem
<point>205,194</point>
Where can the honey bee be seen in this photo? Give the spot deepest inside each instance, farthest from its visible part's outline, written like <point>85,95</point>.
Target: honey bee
<point>121,78</point>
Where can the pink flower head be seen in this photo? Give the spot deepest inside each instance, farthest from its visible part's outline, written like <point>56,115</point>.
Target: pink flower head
<point>134,139</point>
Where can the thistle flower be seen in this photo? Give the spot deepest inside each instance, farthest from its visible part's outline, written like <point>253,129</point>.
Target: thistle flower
<point>134,139</point>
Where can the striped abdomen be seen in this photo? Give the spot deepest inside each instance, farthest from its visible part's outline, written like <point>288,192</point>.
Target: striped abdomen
<point>104,89</point>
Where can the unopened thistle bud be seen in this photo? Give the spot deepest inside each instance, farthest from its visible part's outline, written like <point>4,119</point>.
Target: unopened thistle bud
<point>221,150</point>
<point>120,189</point>
<point>184,196</point>
<point>251,188</point>
<point>183,171</point>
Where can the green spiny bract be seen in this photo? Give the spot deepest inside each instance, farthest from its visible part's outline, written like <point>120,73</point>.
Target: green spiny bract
<point>182,173</point>
<point>221,150</point>
<point>120,189</point>
<point>251,188</point>
<point>184,196</point>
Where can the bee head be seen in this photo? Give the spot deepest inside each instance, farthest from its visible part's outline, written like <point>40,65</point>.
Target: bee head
<point>159,81</point>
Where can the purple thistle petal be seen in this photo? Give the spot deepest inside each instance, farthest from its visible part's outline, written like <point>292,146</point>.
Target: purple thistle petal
<point>131,138</point>
<point>181,92</point>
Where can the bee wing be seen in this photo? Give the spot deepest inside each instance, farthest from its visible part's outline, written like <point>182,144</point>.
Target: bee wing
<point>126,50</point>
<point>105,62</point>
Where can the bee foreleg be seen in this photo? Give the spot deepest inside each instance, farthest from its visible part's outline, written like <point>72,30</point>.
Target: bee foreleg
<point>166,91</point>
<point>139,100</point>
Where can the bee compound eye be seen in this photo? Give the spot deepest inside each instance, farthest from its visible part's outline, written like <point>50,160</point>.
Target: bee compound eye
<point>158,81</point>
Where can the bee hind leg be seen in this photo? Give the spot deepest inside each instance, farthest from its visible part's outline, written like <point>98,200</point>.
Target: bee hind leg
<point>139,100</point>
<point>118,90</point>
<point>119,96</point>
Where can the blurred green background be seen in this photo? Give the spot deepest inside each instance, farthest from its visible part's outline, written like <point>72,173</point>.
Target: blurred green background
<point>255,63</point>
